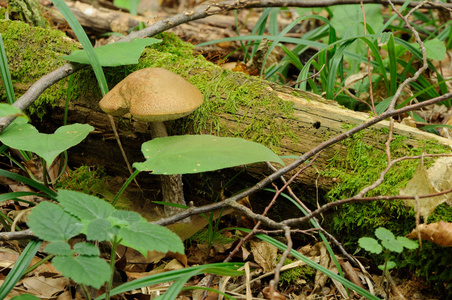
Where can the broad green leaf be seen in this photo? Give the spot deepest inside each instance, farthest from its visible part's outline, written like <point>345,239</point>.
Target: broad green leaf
<point>7,110</point>
<point>48,146</point>
<point>145,237</point>
<point>59,248</point>
<point>116,54</point>
<point>86,249</point>
<point>370,244</point>
<point>83,206</point>
<point>200,153</point>
<point>120,217</point>
<point>392,245</point>
<point>89,270</point>
<point>50,222</point>
<point>384,234</point>
<point>407,243</point>
<point>435,49</point>
<point>100,230</point>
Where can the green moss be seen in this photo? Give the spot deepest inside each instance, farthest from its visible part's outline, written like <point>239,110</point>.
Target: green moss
<point>33,52</point>
<point>292,276</point>
<point>83,179</point>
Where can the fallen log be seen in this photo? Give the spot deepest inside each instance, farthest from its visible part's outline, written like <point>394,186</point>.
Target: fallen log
<point>288,121</point>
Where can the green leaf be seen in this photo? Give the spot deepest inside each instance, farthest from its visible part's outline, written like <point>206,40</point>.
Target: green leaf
<point>370,244</point>
<point>351,16</point>
<point>407,243</point>
<point>50,222</point>
<point>200,153</point>
<point>116,54</point>
<point>59,248</point>
<point>48,146</point>
<point>7,110</point>
<point>89,270</point>
<point>120,217</point>
<point>86,249</point>
<point>384,234</point>
<point>145,237</point>
<point>83,206</point>
<point>435,49</point>
<point>100,230</point>
<point>131,5</point>
<point>389,265</point>
<point>392,245</point>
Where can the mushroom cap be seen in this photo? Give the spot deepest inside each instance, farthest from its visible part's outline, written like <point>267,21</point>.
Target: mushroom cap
<point>152,95</point>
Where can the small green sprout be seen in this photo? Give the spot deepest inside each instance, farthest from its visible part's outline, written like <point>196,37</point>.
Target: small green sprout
<point>389,242</point>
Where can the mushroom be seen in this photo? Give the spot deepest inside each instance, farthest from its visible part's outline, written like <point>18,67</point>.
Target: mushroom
<point>155,95</point>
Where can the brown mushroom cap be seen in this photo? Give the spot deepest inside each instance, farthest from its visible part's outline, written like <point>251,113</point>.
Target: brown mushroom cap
<point>152,95</point>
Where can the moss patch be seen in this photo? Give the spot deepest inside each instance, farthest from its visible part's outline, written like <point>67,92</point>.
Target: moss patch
<point>33,52</point>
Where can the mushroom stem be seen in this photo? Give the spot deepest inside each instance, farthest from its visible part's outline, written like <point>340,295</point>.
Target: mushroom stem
<point>158,129</point>
<point>172,189</point>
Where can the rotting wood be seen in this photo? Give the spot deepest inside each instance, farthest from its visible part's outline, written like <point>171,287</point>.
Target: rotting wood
<point>312,121</point>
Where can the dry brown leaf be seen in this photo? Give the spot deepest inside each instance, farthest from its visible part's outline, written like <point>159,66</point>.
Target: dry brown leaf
<point>439,233</point>
<point>276,295</point>
<point>424,182</point>
<point>264,254</point>
<point>321,278</point>
<point>44,287</point>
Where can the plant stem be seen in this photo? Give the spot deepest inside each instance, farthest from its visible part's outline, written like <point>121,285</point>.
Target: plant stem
<point>44,172</point>
<point>114,245</point>
<point>85,291</point>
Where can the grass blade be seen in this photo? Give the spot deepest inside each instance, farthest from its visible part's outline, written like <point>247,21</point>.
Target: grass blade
<point>6,76</point>
<point>19,268</point>
<point>86,43</point>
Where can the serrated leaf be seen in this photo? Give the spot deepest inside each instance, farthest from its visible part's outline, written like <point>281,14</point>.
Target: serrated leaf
<point>59,248</point>
<point>116,54</point>
<point>100,230</point>
<point>119,217</point>
<point>145,237</point>
<point>200,153</point>
<point>48,146</point>
<point>85,207</point>
<point>392,245</point>
<point>86,249</point>
<point>89,270</point>
<point>50,222</point>
<point>370,244</point>
<point>384,234</point>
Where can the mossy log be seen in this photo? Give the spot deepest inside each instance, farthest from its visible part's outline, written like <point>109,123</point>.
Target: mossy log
<point>288,121</point>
